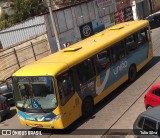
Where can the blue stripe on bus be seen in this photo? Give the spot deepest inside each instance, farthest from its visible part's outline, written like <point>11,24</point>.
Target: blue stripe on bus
<point>46,117</point>
<point>121,68</point>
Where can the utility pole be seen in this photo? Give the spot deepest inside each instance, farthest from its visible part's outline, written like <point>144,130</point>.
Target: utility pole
<point>53,25</point>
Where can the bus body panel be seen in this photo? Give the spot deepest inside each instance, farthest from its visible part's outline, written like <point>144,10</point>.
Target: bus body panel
<point>121,68</point>
<point>114,76</point>
<point>69,113</point>
<point>99,86</point>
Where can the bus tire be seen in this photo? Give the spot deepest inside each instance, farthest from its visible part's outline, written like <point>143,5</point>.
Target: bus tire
<point>87,107</point>
<point>132,73</point>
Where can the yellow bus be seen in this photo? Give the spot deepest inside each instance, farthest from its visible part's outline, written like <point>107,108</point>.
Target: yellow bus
<point>55,91</point>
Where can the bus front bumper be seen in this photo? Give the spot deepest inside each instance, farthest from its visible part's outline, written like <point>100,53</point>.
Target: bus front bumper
<point>38,124</point>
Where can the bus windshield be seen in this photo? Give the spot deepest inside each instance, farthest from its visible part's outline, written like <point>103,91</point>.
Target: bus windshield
<point>34,93</point>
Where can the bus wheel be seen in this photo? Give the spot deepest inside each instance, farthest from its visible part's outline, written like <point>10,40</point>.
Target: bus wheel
<point>87,107</point>
<point>132,73</point>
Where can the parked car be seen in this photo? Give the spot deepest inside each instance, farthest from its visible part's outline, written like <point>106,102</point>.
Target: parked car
<point>152,97</point>
<point>154,20</point>
<point>147,124</point>
<point>7,91</point>
<point>4,107</point>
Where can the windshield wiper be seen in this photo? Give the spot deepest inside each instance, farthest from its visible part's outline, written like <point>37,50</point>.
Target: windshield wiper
<point>25,100</point>
<point>38,104</point>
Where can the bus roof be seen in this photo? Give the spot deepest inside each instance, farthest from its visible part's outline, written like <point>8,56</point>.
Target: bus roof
<point>76,53</point>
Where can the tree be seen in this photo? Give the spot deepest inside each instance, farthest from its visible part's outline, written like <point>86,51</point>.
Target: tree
<point>27,8</point>
<point>3,16</point>
<point>24,9</point>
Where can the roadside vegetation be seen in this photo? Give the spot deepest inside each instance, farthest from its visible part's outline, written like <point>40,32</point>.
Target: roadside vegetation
<point>24,9</point>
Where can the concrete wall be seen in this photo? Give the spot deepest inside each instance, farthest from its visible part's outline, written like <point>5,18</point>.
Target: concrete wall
<point>143,8</point>
<point>83,20</point>
<point>70,21</point>
<point>11,59</point>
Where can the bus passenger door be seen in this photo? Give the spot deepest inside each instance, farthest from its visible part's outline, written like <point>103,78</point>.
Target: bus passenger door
<point>86,79</point>
<point>69,99</point>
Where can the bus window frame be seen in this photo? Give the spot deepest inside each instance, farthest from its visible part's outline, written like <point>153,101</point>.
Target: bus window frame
<point>124,51</point>
<point>96,63</point>
<point>144,30</point>
<point>136,39</point>
<point>93,68</point>
<point>128,52</point>
<point>73,85</point>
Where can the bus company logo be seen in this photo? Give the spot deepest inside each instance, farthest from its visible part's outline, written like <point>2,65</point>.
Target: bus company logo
<point>100,88</point>
<point>87,30</point>
<point>120,67</point>
<point>41,118</point>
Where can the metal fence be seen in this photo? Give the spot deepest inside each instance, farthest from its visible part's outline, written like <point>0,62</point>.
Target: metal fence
<point>15,58</point>
<point>23,31</point>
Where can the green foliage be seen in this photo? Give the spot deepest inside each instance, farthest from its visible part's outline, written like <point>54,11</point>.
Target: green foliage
<point>23,9</point>
<point>3,16</point>
<point>27,8</point>
<point>6,23</point>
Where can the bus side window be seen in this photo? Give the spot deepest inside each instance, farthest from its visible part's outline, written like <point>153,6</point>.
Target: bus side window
<point>131,44</point>
<point>118,52</point>
<point>103,60</point>
<point>65,87</point>
<point>142,37</point>
<point>85,71</point>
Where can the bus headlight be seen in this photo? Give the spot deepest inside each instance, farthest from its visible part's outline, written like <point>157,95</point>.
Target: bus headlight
<point>56,118</point>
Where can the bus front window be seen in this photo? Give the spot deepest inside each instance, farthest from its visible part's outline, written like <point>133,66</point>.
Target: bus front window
<point>34,93</point>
